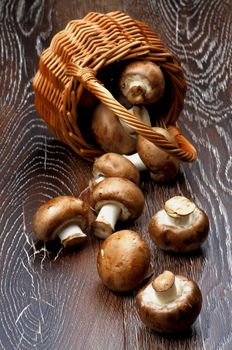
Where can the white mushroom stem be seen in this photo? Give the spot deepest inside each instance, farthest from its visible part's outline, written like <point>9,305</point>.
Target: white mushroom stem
<point>137,87</point>
<point>95,180</point>
<point>165,287</point>
<point>137,161</point>
<point>71,231</point>
<point>105,222</point>
<point>180,210</point>
<point>164,218</point>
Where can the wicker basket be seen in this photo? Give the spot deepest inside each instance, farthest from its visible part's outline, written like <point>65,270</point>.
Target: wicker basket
<point>75,62</point>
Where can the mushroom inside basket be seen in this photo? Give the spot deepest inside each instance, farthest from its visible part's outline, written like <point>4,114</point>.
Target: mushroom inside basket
<point>85,66</point>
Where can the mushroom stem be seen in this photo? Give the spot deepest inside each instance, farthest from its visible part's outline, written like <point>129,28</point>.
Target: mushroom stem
<point>179,210</point>
<point>136,89</point>
<point>106,220</point>
<point>165,287</point>
<point>71,235</point>
<point>137,161</point>
<point>95,180</point>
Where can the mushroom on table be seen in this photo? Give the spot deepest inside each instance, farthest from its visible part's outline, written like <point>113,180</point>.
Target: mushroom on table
<point>180,226</point>
<point>169,303</point>
<point>114,165</point>
<point>63,217</point>
<point>115,198</point>
<point>123,261</point>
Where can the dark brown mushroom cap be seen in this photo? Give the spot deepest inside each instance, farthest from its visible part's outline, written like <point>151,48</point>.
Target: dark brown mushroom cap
<point>123,260</point>
<point>172,235</point>
<point>109,133</point>
<point>162,165</point>
<point>121,191</point>
<point>113,164</point>
<point>175,316</point>
<point>57,213</point>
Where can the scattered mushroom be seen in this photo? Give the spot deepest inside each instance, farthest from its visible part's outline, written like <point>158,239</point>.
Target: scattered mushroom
<point>142,82</point>
<point>65,217</point>
<point>123,261</point>
<point>180,226</point>
<point>114,164</point>
<point>169,303</point>
<point>162,166</point>
<point>114,199</point>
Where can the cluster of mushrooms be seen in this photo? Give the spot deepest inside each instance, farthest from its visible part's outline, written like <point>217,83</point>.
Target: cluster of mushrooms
<point>167,303</point>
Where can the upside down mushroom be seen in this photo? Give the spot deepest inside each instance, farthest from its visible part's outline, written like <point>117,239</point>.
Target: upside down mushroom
<point>123,261</point>
<point>169,303</point>
<point>65,217</point>
<point>180,226</point>
<point>142,82</point>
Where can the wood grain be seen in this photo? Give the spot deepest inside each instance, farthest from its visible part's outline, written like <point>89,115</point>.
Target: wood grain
<point>52,299</point>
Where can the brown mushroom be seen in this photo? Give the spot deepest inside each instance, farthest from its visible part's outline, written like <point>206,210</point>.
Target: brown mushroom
<point>170,303</point>
<point>162,166</point>
<point>180,226</point>
<point>109,133</point>
<point>142,82</point>
<point>114,164</point>
<point>114,199</point>
<point>123,261</point>
<point>65,217</point>
<point>112,133</point>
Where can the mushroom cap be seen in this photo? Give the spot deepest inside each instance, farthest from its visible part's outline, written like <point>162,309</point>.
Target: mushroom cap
<point>123,261</point>
<point>149,74</point>
<point>163,166</point>
<point>120,191</point>
<point>113,164</point>
<point>56,214</point>
<point>109,133</point>
<point>175,316</point>
<point>183,233</point>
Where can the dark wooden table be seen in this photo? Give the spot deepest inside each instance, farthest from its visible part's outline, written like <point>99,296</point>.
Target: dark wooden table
<point>53,299</point>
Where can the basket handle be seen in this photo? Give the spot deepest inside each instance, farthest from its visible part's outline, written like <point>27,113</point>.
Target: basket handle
<point>87,76</point>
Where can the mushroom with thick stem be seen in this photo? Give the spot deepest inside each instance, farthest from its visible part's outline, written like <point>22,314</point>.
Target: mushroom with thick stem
<point>114,199</point>
<point>162,166</point>
<point>111,133</point>
<point>169,303</point>
<point>123,261</point>
<point>113,164</point>
<point>64,217</point>
<point>142,82</point>
<point>180,226</point>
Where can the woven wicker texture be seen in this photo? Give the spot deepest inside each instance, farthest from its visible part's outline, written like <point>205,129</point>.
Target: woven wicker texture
<point>71,64</point>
